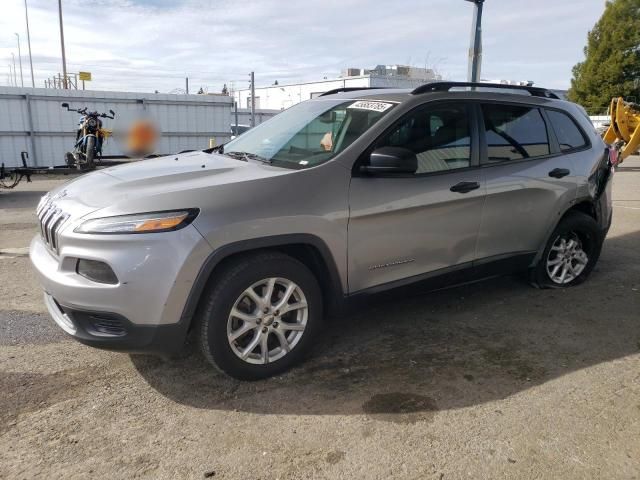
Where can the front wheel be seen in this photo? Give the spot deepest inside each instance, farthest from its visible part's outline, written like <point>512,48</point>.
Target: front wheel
<point>89,154</point>
<point>570,254</point>
<point>260,316</point>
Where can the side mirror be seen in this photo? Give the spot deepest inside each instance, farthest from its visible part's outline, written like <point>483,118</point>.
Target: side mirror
<point>391,160</point>
<point>65,105</point>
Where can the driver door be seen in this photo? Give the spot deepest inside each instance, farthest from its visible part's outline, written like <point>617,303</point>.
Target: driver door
<point>404,227</point>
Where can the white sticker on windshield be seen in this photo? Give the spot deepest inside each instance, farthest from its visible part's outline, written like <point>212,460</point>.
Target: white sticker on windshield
<point>374,106</point>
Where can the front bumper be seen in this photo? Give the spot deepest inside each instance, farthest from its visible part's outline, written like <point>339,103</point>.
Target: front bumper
<point>114,332</point>
<point>143,311</point>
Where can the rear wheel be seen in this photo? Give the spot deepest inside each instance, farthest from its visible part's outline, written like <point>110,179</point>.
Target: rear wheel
<point>260,316</point>
<point>570,254</point>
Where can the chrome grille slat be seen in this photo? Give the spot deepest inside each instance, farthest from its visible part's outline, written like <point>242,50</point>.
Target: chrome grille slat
<point>52,225</point>
<point>43,221</point>
<point>51,220</point>
<point>43,203</point>
<point>46,222</point>
<point>59,223</point>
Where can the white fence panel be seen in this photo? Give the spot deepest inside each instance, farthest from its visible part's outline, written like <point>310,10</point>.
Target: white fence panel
<point>32,120</point>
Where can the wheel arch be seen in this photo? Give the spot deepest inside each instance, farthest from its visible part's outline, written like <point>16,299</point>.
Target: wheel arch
<point>306,248</point>
<point>587,206</point>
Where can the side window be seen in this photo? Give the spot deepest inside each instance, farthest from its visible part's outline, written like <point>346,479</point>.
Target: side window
<point>569,135</point>
<point>438,135</point>
<point>514,133</point>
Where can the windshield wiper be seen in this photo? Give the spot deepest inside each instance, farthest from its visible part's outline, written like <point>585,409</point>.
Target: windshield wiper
<point>248,156</point>
<point>237,155</point>
<point>218,149</point>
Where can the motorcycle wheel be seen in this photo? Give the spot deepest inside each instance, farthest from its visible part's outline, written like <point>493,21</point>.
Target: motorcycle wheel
<point>90,151</point>
<point>70,159</point>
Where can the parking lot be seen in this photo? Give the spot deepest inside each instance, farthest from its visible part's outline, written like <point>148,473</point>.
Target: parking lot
<point>490,380</point>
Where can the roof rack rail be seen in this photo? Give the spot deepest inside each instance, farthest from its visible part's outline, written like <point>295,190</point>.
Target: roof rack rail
<point>446,86</point>
<point>348,89</point>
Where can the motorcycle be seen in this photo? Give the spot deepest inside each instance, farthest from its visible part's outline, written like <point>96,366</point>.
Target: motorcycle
<point>90,138</point>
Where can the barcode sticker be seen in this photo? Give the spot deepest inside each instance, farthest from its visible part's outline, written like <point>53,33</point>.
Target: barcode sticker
<point>374,106</point>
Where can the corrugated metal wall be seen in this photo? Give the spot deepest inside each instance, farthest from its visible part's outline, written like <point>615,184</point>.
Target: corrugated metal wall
<point>244,116</point>
<point>32,120</point>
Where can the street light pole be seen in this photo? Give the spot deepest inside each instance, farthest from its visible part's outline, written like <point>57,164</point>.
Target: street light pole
<point>253,100</point>
<point>64,58</point>
<point>20,59</point>
<point>15,77</point>
<point>26,15</point>
<point>475,49</point>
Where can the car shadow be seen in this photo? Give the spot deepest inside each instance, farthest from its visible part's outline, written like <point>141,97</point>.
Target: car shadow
<point>408,354</point>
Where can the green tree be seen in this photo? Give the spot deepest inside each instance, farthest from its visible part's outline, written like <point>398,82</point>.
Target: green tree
<point>612,58</point>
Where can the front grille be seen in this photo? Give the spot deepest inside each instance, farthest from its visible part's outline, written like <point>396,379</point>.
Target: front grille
<point>51,218</point>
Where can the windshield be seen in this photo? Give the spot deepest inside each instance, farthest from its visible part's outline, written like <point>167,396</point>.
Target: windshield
<point>309,133</point>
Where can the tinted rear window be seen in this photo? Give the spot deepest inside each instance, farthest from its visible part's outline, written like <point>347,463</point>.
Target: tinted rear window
<point>569,135</point>
<point>514,133</point>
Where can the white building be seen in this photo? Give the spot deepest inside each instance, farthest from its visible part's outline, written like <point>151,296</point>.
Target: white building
<point>279,97</point>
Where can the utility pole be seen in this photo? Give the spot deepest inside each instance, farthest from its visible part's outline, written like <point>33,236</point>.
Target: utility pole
<point>253,100</point>
<point>15,78</point>
<point>186,82</point>
<point>20,58</point>
<point>26,15</point>
<point>64,57</point>
<point>235,112</point>
<point>475,49</point>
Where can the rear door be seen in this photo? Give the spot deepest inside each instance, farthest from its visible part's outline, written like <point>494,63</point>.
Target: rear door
<point>528,180</point>
<point>403,227</point>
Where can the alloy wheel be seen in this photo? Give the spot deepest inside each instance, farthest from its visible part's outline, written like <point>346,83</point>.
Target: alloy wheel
<point>567,259</point>
<point>267,320</point>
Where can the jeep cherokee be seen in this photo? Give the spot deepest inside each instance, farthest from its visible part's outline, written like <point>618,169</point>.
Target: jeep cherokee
<point>244,246</point>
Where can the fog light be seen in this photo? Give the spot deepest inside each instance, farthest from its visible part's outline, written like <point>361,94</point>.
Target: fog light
<point>96,271</point>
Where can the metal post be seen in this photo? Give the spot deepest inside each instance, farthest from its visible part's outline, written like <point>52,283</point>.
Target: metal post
<point>253,100</point>
<point>20,58</point>
<point>32,138</point>
<point>64,57</point>
<point>475,49</point>
<point>10,76</point>
<point>15,78</point>
<point>186,81</point>
<point>235,112</point>
<point>26,15</point>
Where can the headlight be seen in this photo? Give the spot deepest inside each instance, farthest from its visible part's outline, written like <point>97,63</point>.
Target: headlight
<point>152,222</point>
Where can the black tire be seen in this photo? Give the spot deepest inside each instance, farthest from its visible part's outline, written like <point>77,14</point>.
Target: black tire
<point>575,225</point>
<point>228,286</point>
<point>70,159</point>
<point>90,152</point>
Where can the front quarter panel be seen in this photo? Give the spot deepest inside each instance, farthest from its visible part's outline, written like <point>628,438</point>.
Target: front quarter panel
<point>312,201</point>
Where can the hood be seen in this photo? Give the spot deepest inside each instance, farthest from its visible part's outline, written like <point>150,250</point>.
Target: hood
<point>160,176</point>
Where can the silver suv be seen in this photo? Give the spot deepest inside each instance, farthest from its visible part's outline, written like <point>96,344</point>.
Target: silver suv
<point>246,246</point>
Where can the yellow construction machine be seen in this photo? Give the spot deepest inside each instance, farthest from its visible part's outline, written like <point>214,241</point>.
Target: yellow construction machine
<point>624,131</point>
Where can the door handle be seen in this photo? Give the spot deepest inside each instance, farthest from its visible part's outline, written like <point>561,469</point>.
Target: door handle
<point>465,187</point>
<point>559,172</point>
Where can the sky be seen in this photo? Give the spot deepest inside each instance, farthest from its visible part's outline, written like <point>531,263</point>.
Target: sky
<point>148,45</point>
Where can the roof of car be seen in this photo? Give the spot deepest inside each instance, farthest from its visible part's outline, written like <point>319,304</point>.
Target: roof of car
<point>487,90</point>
